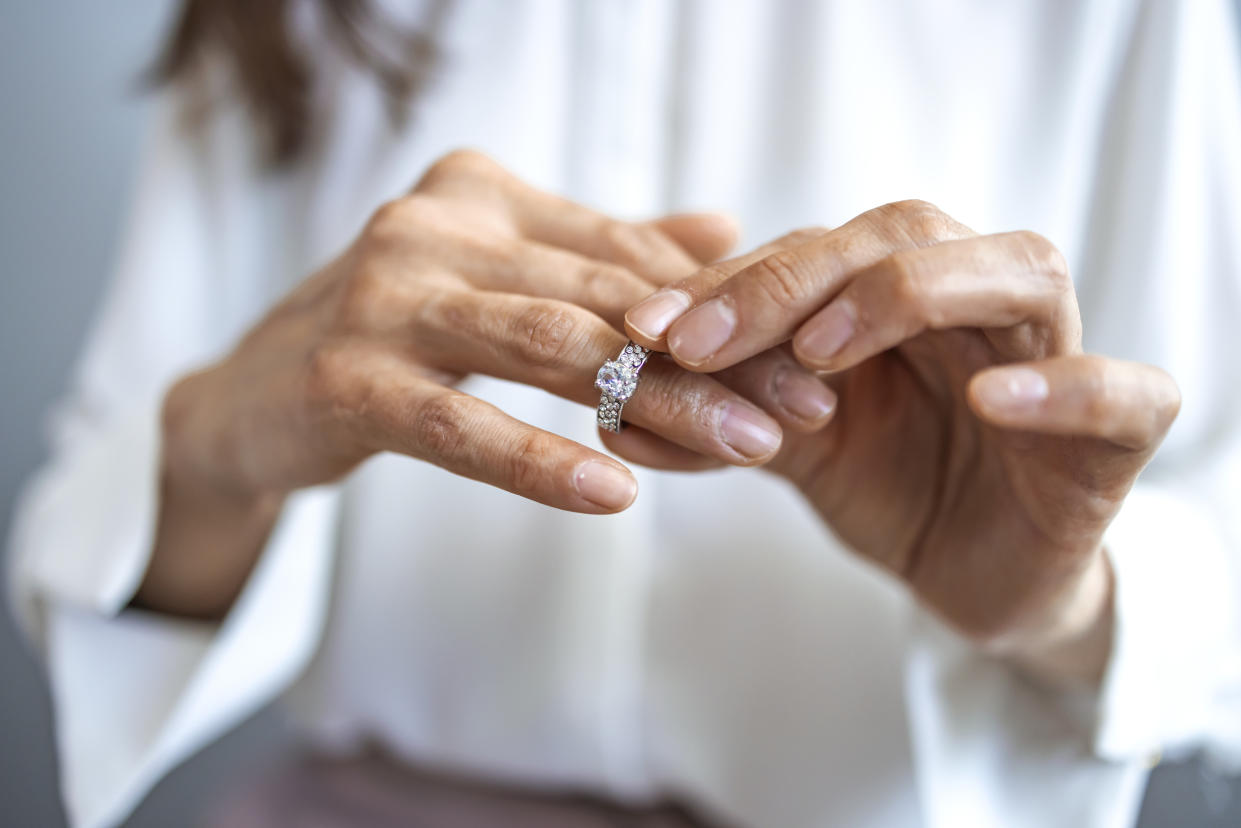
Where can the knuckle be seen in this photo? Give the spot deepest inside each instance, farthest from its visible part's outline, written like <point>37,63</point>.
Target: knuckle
<point>901,270</point>
<point>916,222</point>
<point>445,309</point>
<point>367,293</point>
<point>366,282</point>
<point>905,285</point>
<point>676,402</point>
<point>505,256</point>
<point>628,240</point>
<point>921,220</point>
<point>1043,256</point>
<point>783,276</point>
<point>549,334</point>
<point>392,223</point>
<point>609,277</point>
<point>603,275</point>
<point>459,163</point>
<point>1162,407</point>
<point>914,207</point>
<point>705,279</point>
<point>1098,394</point>
<point>327,371</point>
<point>419,210</point>
<point>442,424</point>
<point>528,460</point>
<point>803,235</point>
<point>604,285</point>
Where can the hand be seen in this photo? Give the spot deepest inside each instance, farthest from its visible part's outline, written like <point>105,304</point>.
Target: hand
<point>472,272</point>
<point>975,451</point>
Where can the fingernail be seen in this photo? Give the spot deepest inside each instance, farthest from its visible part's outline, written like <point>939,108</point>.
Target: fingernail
<point>824,336</point>
<point>803,395</point>
<point>605,485</point>
<point>1012,388</point>
<point>748,431</point>
<point>703,331</point>
<point>652,316</point>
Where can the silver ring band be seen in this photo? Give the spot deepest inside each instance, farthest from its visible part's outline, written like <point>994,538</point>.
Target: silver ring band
<point>617,380</point>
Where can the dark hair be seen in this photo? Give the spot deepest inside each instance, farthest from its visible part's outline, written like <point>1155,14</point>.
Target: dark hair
<point>272,67</point>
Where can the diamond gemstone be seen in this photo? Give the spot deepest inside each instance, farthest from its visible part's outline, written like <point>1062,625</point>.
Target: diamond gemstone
<point>617,379</point>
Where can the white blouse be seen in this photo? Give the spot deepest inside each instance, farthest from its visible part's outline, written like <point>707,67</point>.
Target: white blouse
<point>714,642</point>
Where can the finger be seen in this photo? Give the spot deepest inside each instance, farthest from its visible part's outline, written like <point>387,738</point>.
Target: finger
<point>774,381</point>
<point>647,322</point>
<point>534,269</point>
<point>764,303</point>
<point>490,260</point>
<point>471,176</point>
<point>1017,282</point>
<point>704,236</point>
<point>1126,403</point>
<point>559,347</point>
<point>641,247</point>
<point>389,407</point>
<point>637,445</point>
<point>558,222</point>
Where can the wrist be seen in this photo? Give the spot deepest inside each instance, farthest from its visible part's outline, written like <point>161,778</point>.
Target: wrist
<point>210,527</point>
<point>195,454</point>
<point>1073,643</point>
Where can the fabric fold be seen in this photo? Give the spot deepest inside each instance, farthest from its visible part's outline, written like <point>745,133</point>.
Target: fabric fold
<point>171,686</point>
<point>1175,671</point>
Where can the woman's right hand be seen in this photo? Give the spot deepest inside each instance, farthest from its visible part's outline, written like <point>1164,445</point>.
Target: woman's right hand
<point>473,272</point>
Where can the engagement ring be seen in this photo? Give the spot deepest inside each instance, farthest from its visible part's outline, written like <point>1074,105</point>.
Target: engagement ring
<point>618,379</point>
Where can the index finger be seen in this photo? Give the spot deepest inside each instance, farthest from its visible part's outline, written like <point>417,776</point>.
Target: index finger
<point>642,247</point>
<point>764,303</point>
<point>537,215</point>
<point>647,322</point>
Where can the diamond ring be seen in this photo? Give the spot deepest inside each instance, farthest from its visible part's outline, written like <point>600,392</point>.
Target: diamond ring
<point>618,379</point>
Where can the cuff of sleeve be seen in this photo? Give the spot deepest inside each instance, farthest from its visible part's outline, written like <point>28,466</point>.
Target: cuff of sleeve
<point>988,743</point>
<point>86,523</point>
<point>1175,611</point>
<point>136,694</point>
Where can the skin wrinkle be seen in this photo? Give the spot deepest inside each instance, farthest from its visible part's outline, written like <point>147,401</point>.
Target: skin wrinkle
<point>949,498</point>
<point>909,464</point>
<point>914,555</point>
<point>360,358</point>
<point>975,302</point>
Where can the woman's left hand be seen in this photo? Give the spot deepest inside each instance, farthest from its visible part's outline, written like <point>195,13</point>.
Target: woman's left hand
<point>975,450</point>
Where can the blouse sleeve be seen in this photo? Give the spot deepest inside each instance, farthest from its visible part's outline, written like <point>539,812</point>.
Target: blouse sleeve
<point>1165,288</point>
<point>134,693</point>
<point>1174,681</point>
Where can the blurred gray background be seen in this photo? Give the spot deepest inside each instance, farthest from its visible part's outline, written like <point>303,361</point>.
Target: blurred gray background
<point>71,133</point>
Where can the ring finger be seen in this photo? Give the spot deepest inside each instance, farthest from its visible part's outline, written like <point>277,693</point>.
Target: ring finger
<point>559,347</point>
